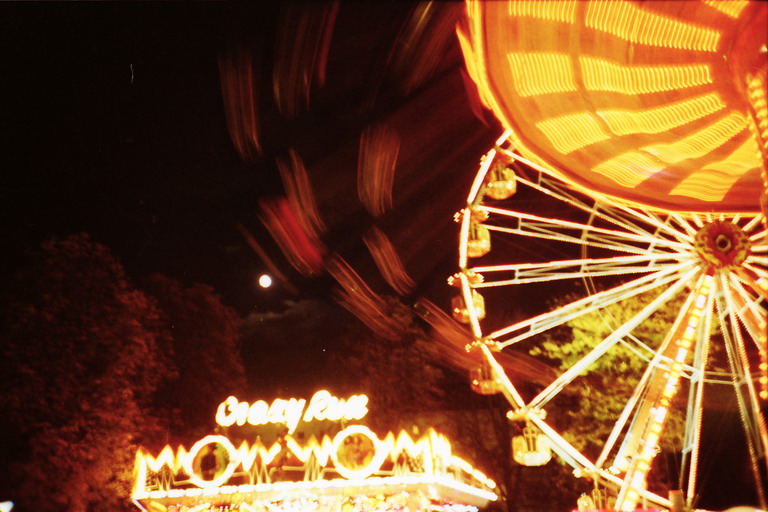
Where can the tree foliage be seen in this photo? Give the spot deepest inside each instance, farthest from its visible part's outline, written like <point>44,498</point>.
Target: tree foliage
<point>598,397</point>
<point>80,366</point>
<point>397,373</point>
<point>91,368</point>
<point>204,335</point>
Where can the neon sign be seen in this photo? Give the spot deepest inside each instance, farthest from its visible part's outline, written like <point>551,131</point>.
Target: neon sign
<point>322,406</point>
<point>356,454</point>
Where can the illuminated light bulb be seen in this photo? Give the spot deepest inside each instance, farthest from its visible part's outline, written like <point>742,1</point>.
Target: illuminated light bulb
<point>731,8</point>
<point>701,142</point>
<point>628,169</point>
<point>651,441</point>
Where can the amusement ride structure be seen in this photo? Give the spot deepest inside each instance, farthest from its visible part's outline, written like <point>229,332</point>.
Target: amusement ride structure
<point>632,169</point>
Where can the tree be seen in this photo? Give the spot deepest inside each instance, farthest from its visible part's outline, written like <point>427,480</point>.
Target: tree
<point>204,335</point>
<point>80,366</point>
<point>396,372</point>
<point>597,400</point>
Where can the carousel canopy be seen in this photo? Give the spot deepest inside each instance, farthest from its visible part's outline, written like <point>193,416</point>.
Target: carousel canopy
<point>642,102</point>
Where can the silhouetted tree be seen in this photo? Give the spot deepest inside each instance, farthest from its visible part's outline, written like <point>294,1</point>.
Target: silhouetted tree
<point>396,372</point>
<point>79,367</point>
<point>204,335</point>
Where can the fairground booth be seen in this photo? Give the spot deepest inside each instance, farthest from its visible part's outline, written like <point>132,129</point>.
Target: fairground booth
<point>305,455</point>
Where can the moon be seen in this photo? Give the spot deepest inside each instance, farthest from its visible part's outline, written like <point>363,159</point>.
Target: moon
<point>265,281</point>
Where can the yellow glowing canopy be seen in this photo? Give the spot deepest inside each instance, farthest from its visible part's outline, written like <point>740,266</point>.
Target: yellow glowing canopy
<point>641,101</point>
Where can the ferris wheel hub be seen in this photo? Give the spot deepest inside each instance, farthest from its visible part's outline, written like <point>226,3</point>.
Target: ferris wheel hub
<point>722,245</point>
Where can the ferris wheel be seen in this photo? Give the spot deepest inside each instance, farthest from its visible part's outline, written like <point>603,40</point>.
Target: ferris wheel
<point>628,185</point>
<point>711,269</point>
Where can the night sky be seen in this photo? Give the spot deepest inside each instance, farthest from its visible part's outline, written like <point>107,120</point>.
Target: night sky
<point>114,125</point>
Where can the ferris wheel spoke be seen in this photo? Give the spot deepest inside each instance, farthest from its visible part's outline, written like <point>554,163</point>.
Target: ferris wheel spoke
<point>625,415</point>
<point>694,413</point>
<point>660,225</point>
<point>753,223</point>
<point>604,240</point>
<point>553,189</point>
<point>661,360</point>
<point>683,223</point>
<point>755,238</point>
<point>760,272</point>
<point>523,273</point>
<point>552,228</point>
<point>508,389</point>
<point>601,348</point>
<point>534,230</point>
<point>752,421</point>
<point>545,321</point>
<point>747,309</point>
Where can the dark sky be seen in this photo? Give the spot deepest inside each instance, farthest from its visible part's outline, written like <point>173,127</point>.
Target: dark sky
<point>113,124</point>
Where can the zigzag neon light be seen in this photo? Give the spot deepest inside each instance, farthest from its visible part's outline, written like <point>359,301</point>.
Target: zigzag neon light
<point>432,448</point>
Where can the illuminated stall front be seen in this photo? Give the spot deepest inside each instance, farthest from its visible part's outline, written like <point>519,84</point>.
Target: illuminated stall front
<point>351,470</point>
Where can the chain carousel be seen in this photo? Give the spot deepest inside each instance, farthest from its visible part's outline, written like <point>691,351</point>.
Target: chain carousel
<point>634,157</point>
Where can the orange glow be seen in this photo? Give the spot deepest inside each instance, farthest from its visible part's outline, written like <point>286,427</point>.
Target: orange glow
<point>238,79</point>
<point>300,194</point>
<point>633,24</point>
<point>303,249</point>
<point>629,169</point>
<point>572,131</point>
<point>379,148</point>
<point>730,8</point>
<point>661,119</point>
<point>555,10</point>
<point>388,261</point>
<point>716,179</point>
<point>354,294</point>
<point>627,101</point>
<point>700,143</point>
<point>541,73</point>
<point>605,75</point>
